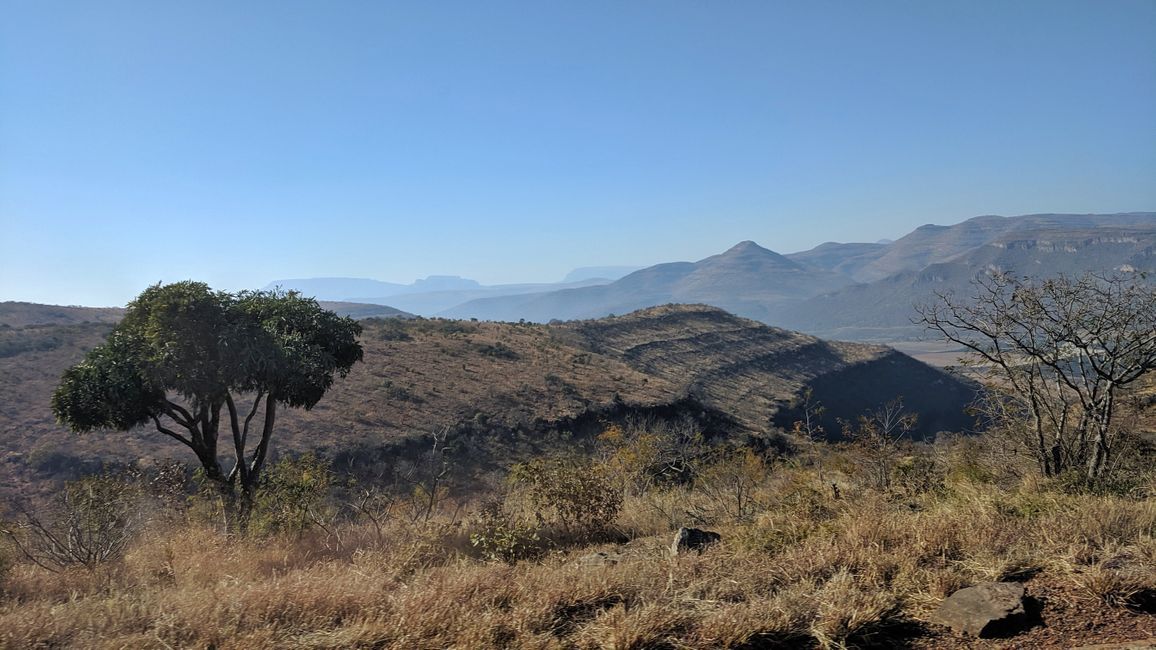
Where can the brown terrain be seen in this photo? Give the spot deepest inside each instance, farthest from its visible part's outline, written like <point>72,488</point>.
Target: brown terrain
<point>508,383</point>
<point>815,553</point>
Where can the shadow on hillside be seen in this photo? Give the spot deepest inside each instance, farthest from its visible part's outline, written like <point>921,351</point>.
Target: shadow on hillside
<point>940,399</point>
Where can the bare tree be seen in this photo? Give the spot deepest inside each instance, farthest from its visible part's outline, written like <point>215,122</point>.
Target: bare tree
<point>808,427</point>
<point>1054,355</point>
<point>880,432</point>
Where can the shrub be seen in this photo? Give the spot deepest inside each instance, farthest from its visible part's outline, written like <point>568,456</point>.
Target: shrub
<point>292,495</point>
<point>92,521</point>
<point>498,536</point>
<point>576,493</point>
<point>731,484</point>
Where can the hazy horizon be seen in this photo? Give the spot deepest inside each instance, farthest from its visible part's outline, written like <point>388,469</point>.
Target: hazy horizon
<point>513,142</point>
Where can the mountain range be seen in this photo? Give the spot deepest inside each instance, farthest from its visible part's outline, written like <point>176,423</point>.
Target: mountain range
<point>850,291</point>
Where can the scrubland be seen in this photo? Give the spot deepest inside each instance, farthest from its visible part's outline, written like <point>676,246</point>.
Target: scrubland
<point>829,546</point>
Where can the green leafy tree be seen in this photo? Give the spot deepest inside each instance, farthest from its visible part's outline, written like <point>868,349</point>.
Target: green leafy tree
<point>186,359</point>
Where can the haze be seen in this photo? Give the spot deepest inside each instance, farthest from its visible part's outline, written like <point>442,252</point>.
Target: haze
<point>237,143</point>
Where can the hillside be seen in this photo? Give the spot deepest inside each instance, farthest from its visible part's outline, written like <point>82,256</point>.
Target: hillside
<point>24,314</point>
<point>360,310</point>
<point>883,309</point>
<point>747,280</point>
<point>507,386</point>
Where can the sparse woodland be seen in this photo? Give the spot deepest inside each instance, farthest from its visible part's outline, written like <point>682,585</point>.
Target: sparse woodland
<point>848,544</point>
<point>427,562</point>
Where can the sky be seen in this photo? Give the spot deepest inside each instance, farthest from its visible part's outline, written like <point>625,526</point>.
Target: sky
<point>239,143</point>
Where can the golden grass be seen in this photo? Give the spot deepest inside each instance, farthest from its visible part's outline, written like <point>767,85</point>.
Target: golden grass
<point>807,570</point>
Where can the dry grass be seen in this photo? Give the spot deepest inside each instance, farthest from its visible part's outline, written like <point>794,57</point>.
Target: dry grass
<point>808,570</point>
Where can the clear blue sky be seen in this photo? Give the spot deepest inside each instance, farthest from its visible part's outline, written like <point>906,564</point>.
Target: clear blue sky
<point>241,142</point>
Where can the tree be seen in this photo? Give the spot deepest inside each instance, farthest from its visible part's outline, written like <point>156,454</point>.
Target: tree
<point>879,432</point>
<point>184,353</point>
<point>1056,354</point>
<point>809,427</point>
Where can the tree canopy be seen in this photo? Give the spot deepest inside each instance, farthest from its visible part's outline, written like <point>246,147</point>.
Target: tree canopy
<point>184,353</point>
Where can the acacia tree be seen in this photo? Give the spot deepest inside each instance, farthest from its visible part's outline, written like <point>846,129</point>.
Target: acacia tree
<point>1056,354</point>
<point>183,354</point>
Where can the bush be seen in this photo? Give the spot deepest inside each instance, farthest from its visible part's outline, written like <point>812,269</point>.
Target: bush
<point>92,522</point>
<point>292,495</point>
<point>731,483</point>
<point>500,537</point>
<point>576,493</point>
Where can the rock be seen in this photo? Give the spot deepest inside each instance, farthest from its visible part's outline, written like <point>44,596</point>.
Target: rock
<point>692,539</point>
<point>985,610</point>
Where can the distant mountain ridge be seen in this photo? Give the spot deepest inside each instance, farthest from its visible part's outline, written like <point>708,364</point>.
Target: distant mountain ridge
<point>854,291</point>
<point>735,280</point>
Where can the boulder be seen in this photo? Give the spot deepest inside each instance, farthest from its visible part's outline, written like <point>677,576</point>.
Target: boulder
<point>692,539</point>
<point>985,610</point>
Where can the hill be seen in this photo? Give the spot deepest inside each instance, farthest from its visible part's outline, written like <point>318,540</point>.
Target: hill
<point>510,387</point>
<point>360,310</point>
<point>747,280</point>
<point>24,314</point>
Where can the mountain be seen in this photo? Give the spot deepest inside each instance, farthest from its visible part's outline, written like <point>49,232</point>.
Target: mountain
<point>338,289</point>
<point>426,296</point>
<point>857,291</point>
<point>747,280</point>
<point>509,388</point>
<point>931,244</point>
<point>1038,245</point>
<point>846,259</point>
<point>608,273</point>
<point>433,302</point>
<point>24,314</point>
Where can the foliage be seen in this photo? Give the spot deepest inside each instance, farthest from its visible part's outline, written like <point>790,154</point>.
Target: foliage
<point>427,480</point>
<point>808,426</point>
<point>498,351</point>
<point>1057,355</point>
<point>184,353</point>
<point>293,494</point>
<point>646,453</point>
<point>575,492</point>
<point>806,570</point>
<point>498,536</point>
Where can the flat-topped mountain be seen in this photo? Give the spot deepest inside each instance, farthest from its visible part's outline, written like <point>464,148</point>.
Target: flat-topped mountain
<point>932,244</point>
<point>514,384</point>
<point>1035,246</point>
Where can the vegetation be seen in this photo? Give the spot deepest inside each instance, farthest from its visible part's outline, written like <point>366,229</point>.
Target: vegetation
<point>183,352</point>
<point>1057,355</point>
<point>845,544</point>
<point>800,568</point>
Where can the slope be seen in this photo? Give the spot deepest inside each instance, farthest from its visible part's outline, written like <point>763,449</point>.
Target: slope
<point>507,387</point>
<point>747,279</point>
